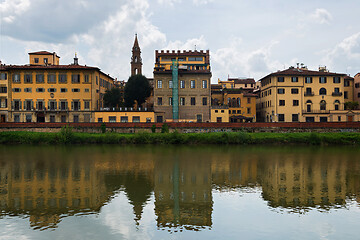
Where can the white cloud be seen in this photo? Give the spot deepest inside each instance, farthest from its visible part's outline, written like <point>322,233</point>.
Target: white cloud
<point>202,2</point>
<point>321,16</point>
<point>190,44</point>
<point>10,9</point>
<point>168,2</point>
<point>345,56</point>
<point>234,61</point>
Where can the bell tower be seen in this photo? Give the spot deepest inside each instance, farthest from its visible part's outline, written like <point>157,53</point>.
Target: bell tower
<point>136,61</point>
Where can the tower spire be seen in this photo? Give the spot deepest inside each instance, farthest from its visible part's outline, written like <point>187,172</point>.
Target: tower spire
<point>136,61</point>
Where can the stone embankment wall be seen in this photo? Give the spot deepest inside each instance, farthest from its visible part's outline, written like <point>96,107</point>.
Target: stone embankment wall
<point>186,127</point>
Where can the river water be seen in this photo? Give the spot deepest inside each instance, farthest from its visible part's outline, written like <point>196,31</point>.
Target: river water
<point>179,192</point>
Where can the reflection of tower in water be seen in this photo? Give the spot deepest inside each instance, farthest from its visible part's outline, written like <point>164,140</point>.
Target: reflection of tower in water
<point>183,193</point>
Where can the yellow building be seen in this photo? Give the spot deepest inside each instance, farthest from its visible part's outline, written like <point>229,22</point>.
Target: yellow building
<point>240,102</point>
<point>45,91</point>
<point>219,114</point>
<point>301,95</point>
<point>4,92</point>
<point>126,116</point>
<point>244,83</point>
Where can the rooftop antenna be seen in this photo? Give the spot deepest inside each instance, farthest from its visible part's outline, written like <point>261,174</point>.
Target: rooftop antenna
<point>195,47</point>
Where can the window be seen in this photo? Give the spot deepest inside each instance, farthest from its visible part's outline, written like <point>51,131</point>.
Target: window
<point>216,111</point>
<point>28,105</point>
<point>204,83</point>
<point>170,101</point>
<point>52,105</point>
<point>192,101</point>
<point>322,105</point>
<point>248,100</point>
<point>36,60</point>
<point>86,77</point>
<point>322,80</point>
<point>62,78</point>
<point>192,84</point>
<point>182,84</point>
<point>40,105</point>
<point>87,105</point>
<point>281,117</point>
<point>27,78</point>
<point>75,78</point>
<point>295,102</point>
<point>308,79</point>
<point>204,101</point>
<point>40,90</point>
<point>16,118</point>
<point>63,105</point>
<point>195,58</point>
<point>281,102</point>
<point>159,101</point>
<point>294,91</point>
<point>281,91</point>
<point>112,119</point>
<point>323,119</point>
<point>16,78</point>
<point>222,111</point>
<point>28,118</point>
<point>63,90</point>
<point>294,79</point>
<point>182,101</point>
<point>336,90</point>
<point>3,76</point>
<point>52,90</point>
<point>198,118</point>
<point>16,89</point>
<point>4,89</point>
<point>308,92</point>
<point>248,110</point>
<point>339,118</point>
<point>136,119</point>
<point>45,60</point>
<point>346,83</point>
<point>40,78</point>
<point>295,117</point>
<point>159,83</point>
<point>52,118</point>
<point>75,105</point>
<point>75,90</point>
<point>280,79</point>
<point>346,95</point>
<point>336,79</point>
<point>322,91</point>
<point>51,78</point>
<point>170,84</point>
<point>17,105</point>
<point>124,119</point>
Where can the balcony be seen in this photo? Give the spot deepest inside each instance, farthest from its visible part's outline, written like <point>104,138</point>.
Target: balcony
<point>337,94</point>
<point>316,112</point>
<point>308,94</point>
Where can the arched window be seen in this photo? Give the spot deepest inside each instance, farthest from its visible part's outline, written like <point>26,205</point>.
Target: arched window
<point>238,102</point>
<point>322,91</point>
<point>308,105</point>
<point>233,102</point>
<point>136,59</point>
<point>136,71</point>
<point>229,102</point>
<point>322,105</point>
<point>337,104</point>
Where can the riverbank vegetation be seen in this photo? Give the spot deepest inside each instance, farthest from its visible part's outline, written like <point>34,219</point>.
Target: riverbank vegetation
<point>68,136</point>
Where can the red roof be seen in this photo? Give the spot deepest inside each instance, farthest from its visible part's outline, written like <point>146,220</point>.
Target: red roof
<point>301,72</point>
<point>242,80</point>
<point>41,53</point>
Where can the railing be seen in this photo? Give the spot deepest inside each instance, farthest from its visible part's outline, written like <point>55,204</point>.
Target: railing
<point>337,94</point>
<point>307,94</point>
<point>316,111</point>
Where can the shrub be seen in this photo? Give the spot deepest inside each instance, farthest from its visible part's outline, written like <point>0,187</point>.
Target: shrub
<point>153,128</point>
<point>66,135</point>
<point>103,128</point>
<point>165,128</point>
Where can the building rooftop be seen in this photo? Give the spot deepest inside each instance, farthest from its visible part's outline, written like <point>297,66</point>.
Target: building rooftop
<point>43,53</point>
<point>292,71</point>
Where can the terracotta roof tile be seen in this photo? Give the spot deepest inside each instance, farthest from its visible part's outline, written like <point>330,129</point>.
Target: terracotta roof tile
<point>301,72</point>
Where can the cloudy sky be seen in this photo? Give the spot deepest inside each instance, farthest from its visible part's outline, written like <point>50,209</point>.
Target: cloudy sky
<point>246,38</point>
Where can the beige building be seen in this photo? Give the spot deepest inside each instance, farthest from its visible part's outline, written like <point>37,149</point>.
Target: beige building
<point>4,94</point>
<point>301,95</point>
<point>45,91</point>
<point>193,103</point>
<point>357,88</point>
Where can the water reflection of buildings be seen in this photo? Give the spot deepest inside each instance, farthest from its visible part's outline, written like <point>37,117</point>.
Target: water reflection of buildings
<point>183,193</point>
<point>53,186</point>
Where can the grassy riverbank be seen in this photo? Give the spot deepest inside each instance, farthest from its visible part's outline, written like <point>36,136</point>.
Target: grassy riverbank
<point>67,136</point>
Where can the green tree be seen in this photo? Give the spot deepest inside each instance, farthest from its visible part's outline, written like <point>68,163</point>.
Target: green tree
<point>351,105</point>
<point>137,89</point>
<point>113,98</point>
